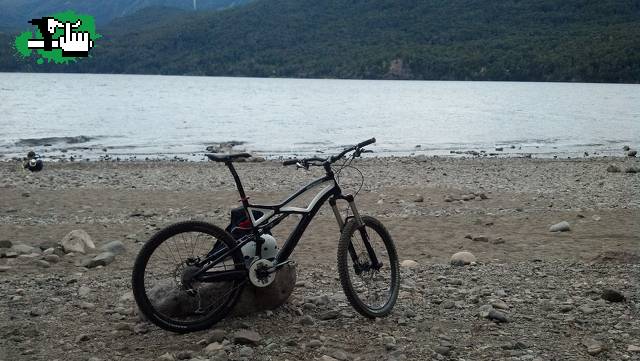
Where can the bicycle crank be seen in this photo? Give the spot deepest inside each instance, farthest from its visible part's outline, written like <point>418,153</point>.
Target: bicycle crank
<point>260,273</point>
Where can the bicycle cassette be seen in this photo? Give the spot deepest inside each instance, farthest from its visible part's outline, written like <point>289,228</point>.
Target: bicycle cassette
<point>260,274</point>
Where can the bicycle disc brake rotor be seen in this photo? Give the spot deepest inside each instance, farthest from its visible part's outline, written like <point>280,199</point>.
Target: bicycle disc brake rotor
<point>259,274</point>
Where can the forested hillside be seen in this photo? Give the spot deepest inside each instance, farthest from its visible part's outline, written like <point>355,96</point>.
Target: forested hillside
<point>534,40</point>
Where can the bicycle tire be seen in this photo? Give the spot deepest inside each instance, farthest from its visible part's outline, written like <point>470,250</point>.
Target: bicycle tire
<point>344,269</point>
<point>138,277</point>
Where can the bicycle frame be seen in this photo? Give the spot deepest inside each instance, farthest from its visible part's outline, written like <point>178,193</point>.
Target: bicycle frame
<point>274,214</point>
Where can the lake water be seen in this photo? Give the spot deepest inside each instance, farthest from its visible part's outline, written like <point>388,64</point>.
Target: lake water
<point>168,116</point>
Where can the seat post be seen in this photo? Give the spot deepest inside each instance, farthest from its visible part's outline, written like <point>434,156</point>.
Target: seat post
<point>243,196</point>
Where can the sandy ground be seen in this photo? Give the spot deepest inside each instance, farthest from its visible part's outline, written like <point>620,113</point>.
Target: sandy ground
<point>522,264</point>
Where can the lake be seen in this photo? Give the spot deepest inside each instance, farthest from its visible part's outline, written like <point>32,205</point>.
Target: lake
<point>178,116</point>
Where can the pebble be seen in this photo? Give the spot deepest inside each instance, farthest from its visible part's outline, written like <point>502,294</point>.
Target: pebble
<point>245,351</point>
<point>213,348</point>
<point>593,346</point>
<point>83,291</point>
<point>560,227</point>
<point>327,358</point>
<point>216,335</point>
<point>52,258</point>
<point>184,355</point>
<point>307,320</point>
<point>633,348</point>
<point>566,308</point>
<point>5,268</point>
<point>329,315</point>
<point>480,239</point>
<point>314,343</point>
<point>613,168</point>
<point>43,263</point>
<point>82,337</point>
<point>5,243</point>
<point>586,310</point>
<point>419,199</point>
<point>246,337</point>
<point>442,350</point>
<point>497,316</point>
<point>339,355</point>
<point>612,295</point>
<point>462,258</point>
<point>409,263</point>
<point>166,357</point>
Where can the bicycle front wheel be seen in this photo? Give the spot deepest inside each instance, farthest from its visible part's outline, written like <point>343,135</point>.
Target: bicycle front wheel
<point>164,283</point>
<point>368,267</point>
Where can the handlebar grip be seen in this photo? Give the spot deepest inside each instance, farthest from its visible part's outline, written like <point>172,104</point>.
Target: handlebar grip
<point>366,142</point>
<point>290,162</point>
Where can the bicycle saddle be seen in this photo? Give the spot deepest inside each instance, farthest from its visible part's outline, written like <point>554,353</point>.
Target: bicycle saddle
<point>226,157</point>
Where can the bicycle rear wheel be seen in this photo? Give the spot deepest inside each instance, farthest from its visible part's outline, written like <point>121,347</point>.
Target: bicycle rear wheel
<point>163,284</point>
<point>368,267</point>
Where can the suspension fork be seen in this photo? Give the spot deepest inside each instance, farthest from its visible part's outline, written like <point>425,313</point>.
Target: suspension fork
<point>375,264</point>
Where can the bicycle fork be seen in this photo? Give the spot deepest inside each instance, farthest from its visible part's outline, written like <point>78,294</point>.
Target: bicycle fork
<point>358,266</point>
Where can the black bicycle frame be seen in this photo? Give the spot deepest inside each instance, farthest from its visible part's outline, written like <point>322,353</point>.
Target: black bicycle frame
<point>274,214</point>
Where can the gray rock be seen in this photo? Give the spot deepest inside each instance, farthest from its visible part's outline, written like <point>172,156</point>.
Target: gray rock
<point>419,199</point>
<point>632,170</point>
<point>632,153</point>
<point>593,346</point>
<point>409,263</point>
<point>115,247</point>
<point>586,310</point>
<point>103,259</point>
<point>560,227</point>
<point>47,244</point>
<point>633,348</point>
<point>626,148</point>
<point>255,299</point>
<point>246,337</point>
<point>443,350</point>
<point>52,258</point>
<point>497,316</point>
<point>6,244</point>
<point>339,355</point>
<point>329,315</point>
<point>216,335</point>
<point>566,308</point>
<point>84,291</point>
<point>612,295</point>
<point>613,168</point>
<point>314,343</point>
<point>22,249</point>
<point>213,348</point>
<point>5,268</point>
<point>43,263</point>
<point>77,241</point>
<point>184,355</point>
<point>462,258</point>
<point>245,351</point>
<point>480,239</point>
<point>307,320</point>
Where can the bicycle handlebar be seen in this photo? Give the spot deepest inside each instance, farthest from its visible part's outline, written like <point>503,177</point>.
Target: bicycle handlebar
<point>331,159</point>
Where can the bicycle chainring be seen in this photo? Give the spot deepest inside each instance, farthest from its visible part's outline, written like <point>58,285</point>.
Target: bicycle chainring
<point>259,274</point>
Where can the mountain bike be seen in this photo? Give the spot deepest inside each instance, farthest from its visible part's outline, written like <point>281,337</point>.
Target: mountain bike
<point>206,267</point>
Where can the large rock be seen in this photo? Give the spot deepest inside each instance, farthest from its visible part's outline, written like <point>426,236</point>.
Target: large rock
<point>115,247</point>
<point>462,258</point>
<point>77,241</point>
<point>102,259</point>
<point>171,301</point>
<point>23,249</point>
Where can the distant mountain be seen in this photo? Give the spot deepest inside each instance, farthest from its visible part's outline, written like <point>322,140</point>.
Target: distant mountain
<point>15,13</point>
<point>514,40</point>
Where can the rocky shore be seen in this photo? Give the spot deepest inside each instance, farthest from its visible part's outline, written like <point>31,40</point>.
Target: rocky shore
<point>536,288</point>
